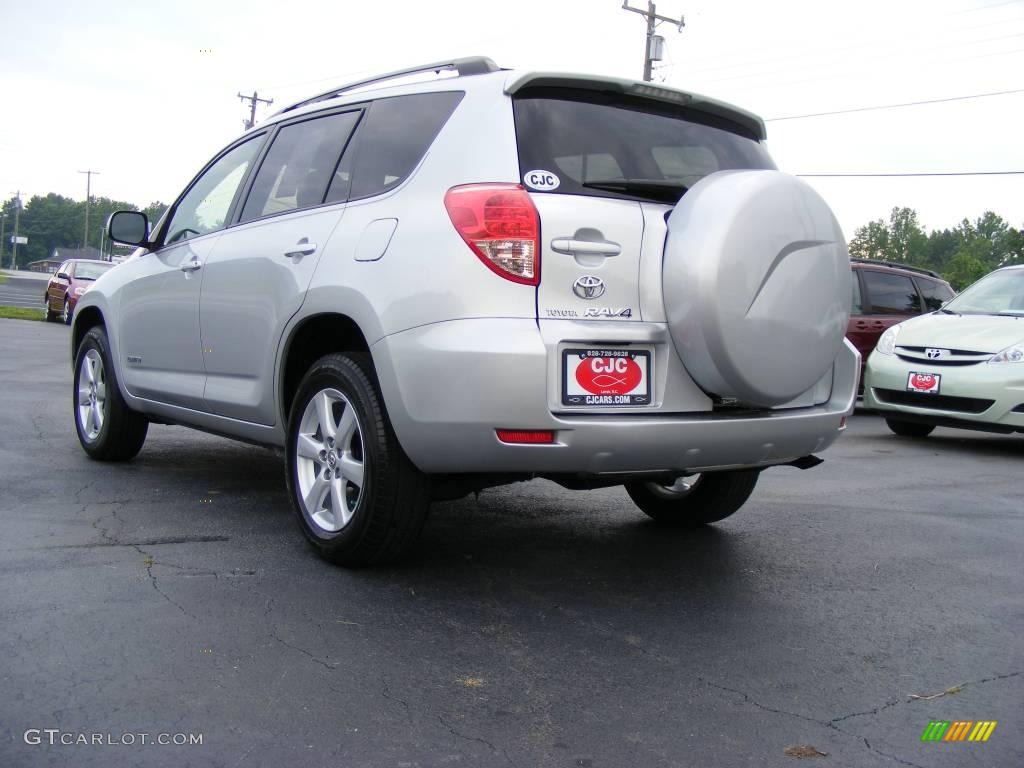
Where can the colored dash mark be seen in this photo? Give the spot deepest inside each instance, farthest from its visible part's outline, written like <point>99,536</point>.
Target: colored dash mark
<point>958,730</point>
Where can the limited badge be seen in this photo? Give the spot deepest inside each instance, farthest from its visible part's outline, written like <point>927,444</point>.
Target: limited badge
<point>544,181</point>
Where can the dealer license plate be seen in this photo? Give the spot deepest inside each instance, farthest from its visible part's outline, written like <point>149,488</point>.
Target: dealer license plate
<point>602,377</point>
<point>924,383</point>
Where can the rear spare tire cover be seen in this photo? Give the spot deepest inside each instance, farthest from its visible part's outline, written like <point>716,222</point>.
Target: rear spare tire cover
<point>756,284</point>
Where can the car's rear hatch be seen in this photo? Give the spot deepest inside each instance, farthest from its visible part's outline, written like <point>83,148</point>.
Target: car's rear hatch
<point>605,161</point>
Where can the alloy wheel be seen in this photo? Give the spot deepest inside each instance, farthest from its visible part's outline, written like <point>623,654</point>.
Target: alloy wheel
<point>92,395</point>
<point>330,461</point>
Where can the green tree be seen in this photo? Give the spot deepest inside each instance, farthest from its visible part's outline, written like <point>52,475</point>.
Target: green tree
<point>907,241</point>
<point>870,241</point>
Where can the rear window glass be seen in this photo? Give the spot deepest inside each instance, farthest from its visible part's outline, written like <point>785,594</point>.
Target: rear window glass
<point>593,139</point>
<point>390,142</point>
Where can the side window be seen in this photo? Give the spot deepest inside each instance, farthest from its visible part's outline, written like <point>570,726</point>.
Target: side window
<point>891,293</point>
<point>300,165</point>
<point>205,206</point>
<point>935,293</point>
<point>63,268</point>
<point>856,307</point>
<point>392,139</point>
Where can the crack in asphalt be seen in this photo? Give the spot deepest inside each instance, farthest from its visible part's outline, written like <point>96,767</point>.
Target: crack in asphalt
<point>325,664</point>
<point>386,693</point>
<point>832,723</point>
<point>154,542</point>
<point>899,760</point>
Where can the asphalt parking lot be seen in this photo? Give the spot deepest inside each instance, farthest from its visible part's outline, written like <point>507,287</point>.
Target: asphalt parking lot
<point>534,627</point>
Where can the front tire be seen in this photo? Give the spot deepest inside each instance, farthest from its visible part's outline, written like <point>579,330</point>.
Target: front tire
<point>107,429</point>
<point>695,500</point>
<point>358,498</point>
<point>66,313</point>
<point>909,428</point>
<point>50,314</point>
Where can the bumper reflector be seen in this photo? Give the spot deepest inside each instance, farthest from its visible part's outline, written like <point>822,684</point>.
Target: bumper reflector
<point>526,436</point>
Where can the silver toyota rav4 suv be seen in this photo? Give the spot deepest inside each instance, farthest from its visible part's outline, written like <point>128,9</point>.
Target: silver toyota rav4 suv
<point>421,286</point>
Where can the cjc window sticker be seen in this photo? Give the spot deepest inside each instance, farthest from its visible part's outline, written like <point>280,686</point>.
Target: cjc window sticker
<point>544,181</point>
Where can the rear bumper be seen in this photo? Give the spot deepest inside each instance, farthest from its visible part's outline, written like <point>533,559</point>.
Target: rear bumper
<point>448,386</point>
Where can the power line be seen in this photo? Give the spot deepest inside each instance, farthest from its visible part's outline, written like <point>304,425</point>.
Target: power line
<point>895,106</point>
<point>888,175</point>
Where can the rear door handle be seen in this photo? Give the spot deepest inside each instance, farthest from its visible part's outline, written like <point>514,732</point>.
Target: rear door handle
<point>191,266</point>
<point>304,248</point>
<point>574,247</point>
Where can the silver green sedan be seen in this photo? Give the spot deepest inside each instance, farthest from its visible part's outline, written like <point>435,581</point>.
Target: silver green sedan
<point>961,366</point>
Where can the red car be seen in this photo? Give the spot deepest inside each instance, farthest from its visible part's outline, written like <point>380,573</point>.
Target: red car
<point>886,293</point>
<point>69,282</point>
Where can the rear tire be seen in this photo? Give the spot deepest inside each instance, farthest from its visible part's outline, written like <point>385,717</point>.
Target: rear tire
<point>909,428</point>
<point>358,499</point>
<point>695,500</point>
<point>107,428</point>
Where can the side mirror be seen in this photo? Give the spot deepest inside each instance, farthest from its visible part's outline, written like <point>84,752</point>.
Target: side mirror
<point>63,276</point>
<point>128,227</point>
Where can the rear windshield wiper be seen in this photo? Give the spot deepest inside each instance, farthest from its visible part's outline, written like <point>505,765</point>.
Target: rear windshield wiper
<point>655,189</point>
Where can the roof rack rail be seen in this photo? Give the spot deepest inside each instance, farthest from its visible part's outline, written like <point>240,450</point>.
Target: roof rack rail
<point>472,65</point>
<point>898,265</point>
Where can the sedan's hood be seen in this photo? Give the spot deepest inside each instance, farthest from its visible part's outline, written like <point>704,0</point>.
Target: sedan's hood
<point>978,333</point>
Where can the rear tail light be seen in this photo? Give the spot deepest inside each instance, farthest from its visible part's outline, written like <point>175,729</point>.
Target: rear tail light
<point>526,436</point>
<point>500,224</point>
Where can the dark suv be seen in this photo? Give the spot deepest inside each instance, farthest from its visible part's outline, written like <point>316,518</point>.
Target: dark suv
<point>886,293</point>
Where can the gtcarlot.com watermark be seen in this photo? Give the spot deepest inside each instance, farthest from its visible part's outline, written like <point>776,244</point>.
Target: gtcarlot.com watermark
<point>55,737</point>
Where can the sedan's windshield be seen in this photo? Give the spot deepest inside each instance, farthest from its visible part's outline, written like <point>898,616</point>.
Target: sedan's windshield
<point>91,271</point>
<point>1000,293</point>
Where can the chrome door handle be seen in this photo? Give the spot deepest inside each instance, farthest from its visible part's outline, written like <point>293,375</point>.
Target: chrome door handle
<point>191,266</point>
<point>574,247</point>
<point>304,249</point>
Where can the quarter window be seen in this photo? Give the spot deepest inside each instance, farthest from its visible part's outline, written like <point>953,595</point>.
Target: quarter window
<point>299,166</point>
<point>393,138</point>
<point>891,294</point>
<point>205,206</point>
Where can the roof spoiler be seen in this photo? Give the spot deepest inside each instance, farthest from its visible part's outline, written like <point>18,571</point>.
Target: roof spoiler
<point>746,120</point>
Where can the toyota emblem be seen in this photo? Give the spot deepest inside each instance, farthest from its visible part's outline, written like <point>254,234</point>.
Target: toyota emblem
<point>588,287</point>
<point>934,354</point>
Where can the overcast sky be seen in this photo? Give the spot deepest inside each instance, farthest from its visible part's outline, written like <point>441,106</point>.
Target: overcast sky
<point>145,92</point>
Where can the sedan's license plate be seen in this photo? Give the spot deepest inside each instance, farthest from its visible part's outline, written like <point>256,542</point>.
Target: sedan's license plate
<point>606,377</point>
<point>923,383</point>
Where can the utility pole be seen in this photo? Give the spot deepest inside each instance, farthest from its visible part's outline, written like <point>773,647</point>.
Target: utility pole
<point>14,242</point>
<point>3,220</point>
<point>88,197</point>
<point>252,107</point>
<point>652,49</point>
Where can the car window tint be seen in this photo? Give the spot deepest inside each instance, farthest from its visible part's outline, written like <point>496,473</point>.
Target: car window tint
<point>392,139</point>
<point>205,206</point>
<point>299,166</point>
<point>935,293</point>
<point>589,137</point>
<point>856,308</point>
<point>891,294</point>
